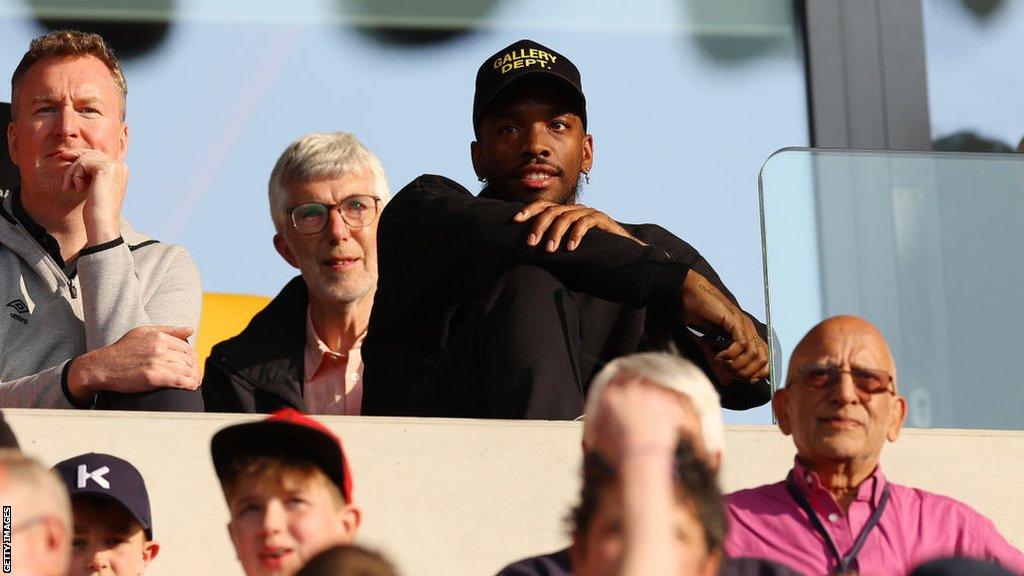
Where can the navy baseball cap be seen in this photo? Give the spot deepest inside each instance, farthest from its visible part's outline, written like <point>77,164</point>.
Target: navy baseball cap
<point>524,58</point>
<point>106,476</point>
<point>290,431</point>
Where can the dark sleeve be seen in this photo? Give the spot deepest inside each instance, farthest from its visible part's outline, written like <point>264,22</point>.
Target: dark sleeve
<point>219,394</point>
<point>738,395</point>
<point>439,244</point>
<point>556,564</point>
<point>213,382</point>
<point>680,250</point>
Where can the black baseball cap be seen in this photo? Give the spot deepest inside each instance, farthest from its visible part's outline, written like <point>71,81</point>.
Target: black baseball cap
<point>106,476</point>
<point>519,60</point>
<point>290,431</point>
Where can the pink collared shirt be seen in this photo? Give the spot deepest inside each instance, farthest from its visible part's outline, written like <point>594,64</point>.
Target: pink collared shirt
<point>333,381</point>
<point>916,526</point>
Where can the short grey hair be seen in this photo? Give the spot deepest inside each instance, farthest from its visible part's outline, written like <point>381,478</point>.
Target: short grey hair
<point>669,371</point>
<point>317,157</point>
<point>31,487</point>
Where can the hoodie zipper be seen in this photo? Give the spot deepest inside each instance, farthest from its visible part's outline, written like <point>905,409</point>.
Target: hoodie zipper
<point>61,274</point>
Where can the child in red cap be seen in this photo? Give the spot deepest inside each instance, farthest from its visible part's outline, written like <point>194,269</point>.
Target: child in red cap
<point>288,489</point>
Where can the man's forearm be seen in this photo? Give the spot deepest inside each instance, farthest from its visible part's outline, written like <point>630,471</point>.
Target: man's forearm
<point>440,243</point>
<point>40,390</point>
<point>111,296</point>
<point>648,506</point>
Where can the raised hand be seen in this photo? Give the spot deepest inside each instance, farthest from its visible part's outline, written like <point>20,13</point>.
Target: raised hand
<point>103,181</point>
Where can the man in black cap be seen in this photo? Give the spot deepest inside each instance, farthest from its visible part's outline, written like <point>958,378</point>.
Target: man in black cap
<point>113,528</point>
<point>505,304</point>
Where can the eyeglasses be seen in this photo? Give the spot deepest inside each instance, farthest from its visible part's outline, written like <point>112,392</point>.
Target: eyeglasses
<point>357,211</point>
<point>868,380</point>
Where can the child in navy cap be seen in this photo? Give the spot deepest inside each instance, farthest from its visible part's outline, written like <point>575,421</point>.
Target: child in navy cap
<point>113,529</point>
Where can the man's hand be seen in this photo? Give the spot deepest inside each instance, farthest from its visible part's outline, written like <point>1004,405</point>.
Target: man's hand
<point>707,309</point>
<point>144,359</point>
<point>554,220</point>
<point>102,181</point>
<point>637,417</point>
<point>643,423</point>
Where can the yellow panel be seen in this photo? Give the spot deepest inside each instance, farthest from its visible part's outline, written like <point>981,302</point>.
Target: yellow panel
<point>224,316</point>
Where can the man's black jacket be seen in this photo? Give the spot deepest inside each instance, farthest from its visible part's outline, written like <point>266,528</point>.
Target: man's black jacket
<point>439,247</point>
<point>261,369</point>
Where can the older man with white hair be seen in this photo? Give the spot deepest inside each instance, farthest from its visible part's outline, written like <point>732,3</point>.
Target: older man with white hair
<point>303,350</point>
<point>700,417</point>
<point>676,402</point>
<point>40,517</point>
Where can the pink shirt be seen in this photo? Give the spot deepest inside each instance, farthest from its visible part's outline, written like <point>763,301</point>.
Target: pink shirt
<point>334,381</point>
<point>916,526</point>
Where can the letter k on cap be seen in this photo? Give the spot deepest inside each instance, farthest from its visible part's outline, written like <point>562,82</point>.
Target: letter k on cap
<point>96,475</point>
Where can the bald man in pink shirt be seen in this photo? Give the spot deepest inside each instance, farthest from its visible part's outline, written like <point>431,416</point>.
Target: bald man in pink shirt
<point>835,512</point>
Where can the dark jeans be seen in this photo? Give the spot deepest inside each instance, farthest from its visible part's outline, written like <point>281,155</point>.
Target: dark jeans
<point>164,400</point>
<point>514,353</point>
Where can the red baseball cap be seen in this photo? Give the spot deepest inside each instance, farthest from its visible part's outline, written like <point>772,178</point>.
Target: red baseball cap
<point>286,430</point>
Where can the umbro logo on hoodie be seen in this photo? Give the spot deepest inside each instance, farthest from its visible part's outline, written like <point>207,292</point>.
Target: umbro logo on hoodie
<point>19,309</point>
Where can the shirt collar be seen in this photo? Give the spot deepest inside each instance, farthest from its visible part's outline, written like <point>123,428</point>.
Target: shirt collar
<point>317,350</point>
<point>870,490</point>
<point>35,230</point>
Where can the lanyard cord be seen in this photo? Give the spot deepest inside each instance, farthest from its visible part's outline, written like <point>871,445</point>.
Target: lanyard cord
<point>845,562</point>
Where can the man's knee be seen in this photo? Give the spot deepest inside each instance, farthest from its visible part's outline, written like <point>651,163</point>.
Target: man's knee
<point>531,309</point>
<point>161,400</point>
<point>526,285</point>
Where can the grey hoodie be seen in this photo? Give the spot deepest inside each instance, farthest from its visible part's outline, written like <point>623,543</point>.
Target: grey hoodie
<point>48,319</point>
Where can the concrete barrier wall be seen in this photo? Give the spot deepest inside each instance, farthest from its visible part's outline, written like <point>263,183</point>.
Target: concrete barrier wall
<point>465,497</point>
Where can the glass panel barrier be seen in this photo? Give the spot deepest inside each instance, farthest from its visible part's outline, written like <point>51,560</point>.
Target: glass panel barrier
<point>927,246</point>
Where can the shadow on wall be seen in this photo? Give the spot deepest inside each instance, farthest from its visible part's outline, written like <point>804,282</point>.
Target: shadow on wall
<point>983,9</point>
<point>414,23</point>
<point>724,31</point>
<point>967,141</point>
<point>132,28</point>
<point>735,32</point>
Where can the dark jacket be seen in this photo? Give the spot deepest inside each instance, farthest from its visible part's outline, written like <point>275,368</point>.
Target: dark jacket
<point>440,247</point>
<point>558,564</point>
<point>261,369</point>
